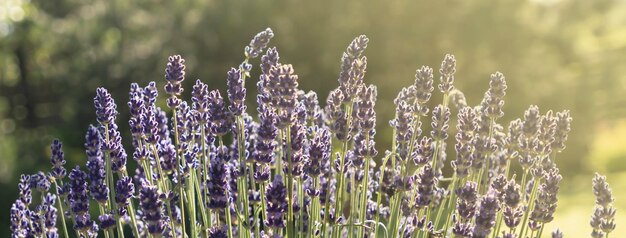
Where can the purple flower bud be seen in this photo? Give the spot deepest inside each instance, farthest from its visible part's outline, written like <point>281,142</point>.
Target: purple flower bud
<point>486,217</point>
<point>25,189</point>
<point>219,117</point>
<point>423,88</point>
<point>276,197</point>
<point>425,186</point>
<point>283,86</point>
<point>563,121</point>
<point>124,191</point>
<point>107,221</point>
<point>96,166</point>
<point>493,101</point>
<point>259,43</point>
<point>603,218</point>
<point>335,115</point>
<point>352,71</point>
<point>530,126</point>
<point>217,187</point>
<point>57,160</point>
<point>152,208</point>
<point>218,232</point>
<point>441,117</point>
<point>448,68</point>
<point>174,74</point>
<point>106,110</point>
<point>236,92</point>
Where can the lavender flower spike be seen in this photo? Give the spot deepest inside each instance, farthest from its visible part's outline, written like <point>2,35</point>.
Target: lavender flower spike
<point>603,218</point>
<point>96,166</point>
<point>151,206</point>
<point>57,160</point>
<point>106,110</point>
<point>259,43</point>
<point>236,92</point>
<point>448,68</point>
<point>486,216</point>
<point>174,74</point>
<point>276,203</point>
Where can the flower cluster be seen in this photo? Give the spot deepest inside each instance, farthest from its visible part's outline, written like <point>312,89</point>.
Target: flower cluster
<point>296,168</point>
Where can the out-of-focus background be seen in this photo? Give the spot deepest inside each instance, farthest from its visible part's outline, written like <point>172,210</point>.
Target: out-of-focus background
<point>558,54</point>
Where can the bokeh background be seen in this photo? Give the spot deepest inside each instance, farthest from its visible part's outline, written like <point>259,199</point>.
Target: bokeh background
<point>558,54</point>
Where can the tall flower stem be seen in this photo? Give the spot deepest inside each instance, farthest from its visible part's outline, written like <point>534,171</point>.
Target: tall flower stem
<point>56,185</point>
<point>290,222</point>
<point>180,185</point>
<point>243,184</point>
<point>379,193</point>
<point>364,188</point>
<point>110,181</point>
<point>340,176</point>
<point>196,184</point>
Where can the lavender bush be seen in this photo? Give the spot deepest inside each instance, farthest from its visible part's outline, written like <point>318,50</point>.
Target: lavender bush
<point>295,168</point>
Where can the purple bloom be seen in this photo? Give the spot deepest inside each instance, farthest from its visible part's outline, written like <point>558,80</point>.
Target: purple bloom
<point>425,186</point>
<point>486,217</point>
<point>219,117</point>
<point>364,108</point>
<point>174,74</point>
<point>40,182</point>
<point>563,121</point>
<point>107,221</point>
<point>298,142</point>
<point>96,166</point>
<point>106,110</point>
<point>335,115</point>
<point>167,156</point>
<point>423,88</point>
<point>137,107</point>
<point>79,201</point>
<point>404,125</point>
<point>217,187</point>
<point>218,232</point>
<point>152,209</point>
<point>124,191</point>
<point>259,43</point>
<point>283,86</point>
<point>319,152</point>
<point>441,117</point>
<point>494,97</point>
<point>448,68</point>
<point>352,67</point>
<point>266,135</point>
<point>464,137</point>
<point>603,218</point>
<point>276,197</point>
<point>19,221</point>
<point>57,160</point>
<point>200,105</point>
<point>236,92</point>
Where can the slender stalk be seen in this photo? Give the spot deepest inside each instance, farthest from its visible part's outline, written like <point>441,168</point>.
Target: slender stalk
<point>379,193</point>
<point>102,212</point>
<point>131,210</point>
<point>289,178</point>
<point>62,213</point>
<point>531,203</point>
<point>353,207</point>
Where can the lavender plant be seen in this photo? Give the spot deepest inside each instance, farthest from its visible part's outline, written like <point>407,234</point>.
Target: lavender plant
<point>207,168</point>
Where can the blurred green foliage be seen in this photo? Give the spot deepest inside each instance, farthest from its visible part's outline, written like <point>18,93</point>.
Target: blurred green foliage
<point>558,54</point>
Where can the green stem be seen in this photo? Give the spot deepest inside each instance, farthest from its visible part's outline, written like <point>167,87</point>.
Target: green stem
<point>531,203</point>
<point>289,178</point>
<point>379,193</point>
<point>102,212</point>
<point>62,213</point>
